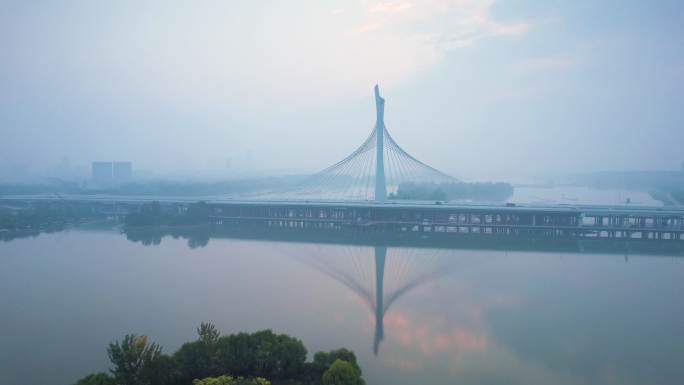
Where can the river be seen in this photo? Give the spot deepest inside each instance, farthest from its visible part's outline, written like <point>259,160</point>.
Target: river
<point>448,315</point>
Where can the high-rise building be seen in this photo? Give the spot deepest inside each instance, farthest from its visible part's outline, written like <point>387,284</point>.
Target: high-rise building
<point>122,171</point>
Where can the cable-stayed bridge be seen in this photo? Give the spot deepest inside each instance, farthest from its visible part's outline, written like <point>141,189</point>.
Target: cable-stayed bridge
<point>371,172</point>
<point>353,194</point>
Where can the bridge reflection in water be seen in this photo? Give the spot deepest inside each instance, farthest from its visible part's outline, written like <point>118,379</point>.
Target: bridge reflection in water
<point>378,275</point>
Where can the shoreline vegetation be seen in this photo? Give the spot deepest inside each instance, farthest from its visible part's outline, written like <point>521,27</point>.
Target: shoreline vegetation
<point>260,358</point>
<point>488,191</point>
<point>30,220</point>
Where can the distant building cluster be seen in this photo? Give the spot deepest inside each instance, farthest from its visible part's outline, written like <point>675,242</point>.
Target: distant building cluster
<point>111,172</point>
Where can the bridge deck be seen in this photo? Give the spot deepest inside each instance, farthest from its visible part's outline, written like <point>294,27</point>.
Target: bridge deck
<point>602,221</point>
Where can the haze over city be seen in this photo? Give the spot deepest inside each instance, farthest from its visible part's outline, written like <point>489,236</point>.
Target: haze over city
<point>361,192</point>
<point>486,90</point>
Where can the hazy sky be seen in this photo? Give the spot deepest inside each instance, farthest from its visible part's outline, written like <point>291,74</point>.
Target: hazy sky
<point>480,89</point>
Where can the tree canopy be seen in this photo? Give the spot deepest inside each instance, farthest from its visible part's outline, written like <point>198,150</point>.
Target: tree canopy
<point>136,361</point>
<point>323,361</point>
<point>213,359</point>
<point>97,379</point>
<point>342,373</point>
<point>228,380</point>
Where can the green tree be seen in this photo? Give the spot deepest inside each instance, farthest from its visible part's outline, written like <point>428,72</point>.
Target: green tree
<point>208,334</point>
<point>228,380</point>
<point>199,359</point>
<point>287,357</point>
<point>263,353</point>
<point>248,358</point>
<point>135,360</point>
<point>193,360</point>
<point>322,360</point>
<point>236,353</point>
<point>96,379</point>
<point>342,373</point>
<point>161,371</point>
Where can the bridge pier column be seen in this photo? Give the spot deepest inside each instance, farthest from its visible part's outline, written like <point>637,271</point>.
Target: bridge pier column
<point>380,256</point>
<point>380,183</point>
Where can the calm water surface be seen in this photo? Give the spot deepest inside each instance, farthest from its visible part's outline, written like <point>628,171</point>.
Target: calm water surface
<point>446,316</point>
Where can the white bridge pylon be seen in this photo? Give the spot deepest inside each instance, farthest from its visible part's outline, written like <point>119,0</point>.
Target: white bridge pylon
<point>372,171</point>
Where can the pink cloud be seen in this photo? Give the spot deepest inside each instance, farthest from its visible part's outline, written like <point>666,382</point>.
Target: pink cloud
<point>446,23</point>
<point>390,7</point>
<point>370,26</point>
